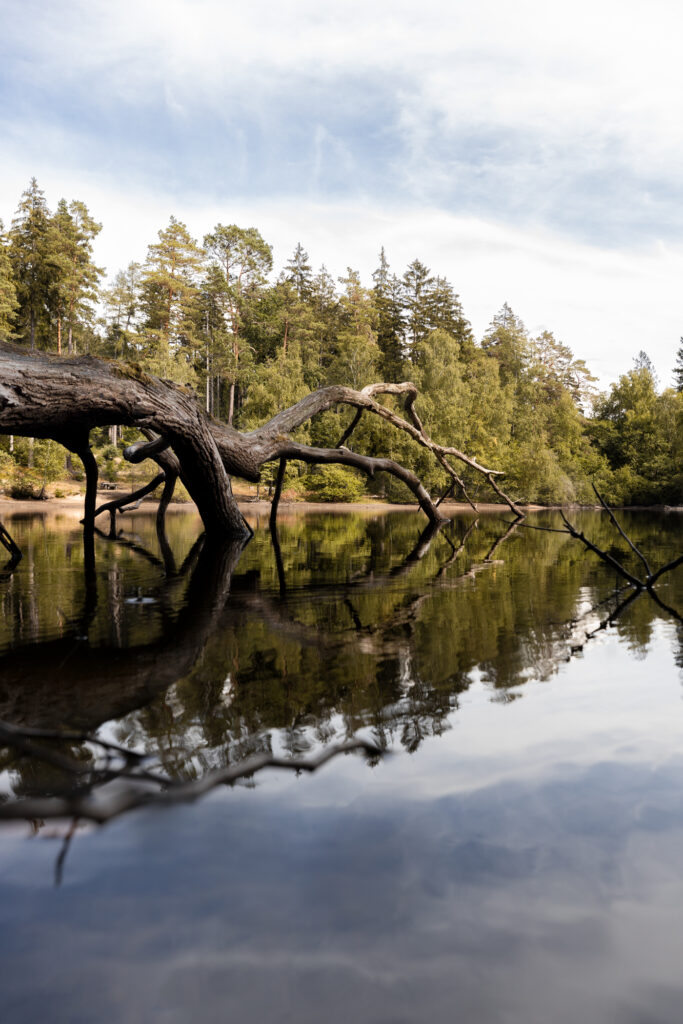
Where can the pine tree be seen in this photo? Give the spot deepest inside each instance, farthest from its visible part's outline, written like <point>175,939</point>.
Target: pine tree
<point>170,302</point>
<point>8,292</point>
<point>552,364</point>
<point>217,364</point>
<point>245,260</point>
<point>122,306</point>
<point>74,285</point>
<point>317,327</point>
<point>28,252</point>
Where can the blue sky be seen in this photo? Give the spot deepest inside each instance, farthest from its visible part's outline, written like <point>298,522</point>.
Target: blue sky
<point>532,152</point>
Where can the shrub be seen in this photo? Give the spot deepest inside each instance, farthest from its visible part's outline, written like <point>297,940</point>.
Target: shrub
<point>334,483</point>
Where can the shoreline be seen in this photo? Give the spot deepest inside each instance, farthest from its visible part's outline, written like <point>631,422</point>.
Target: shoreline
<point>73,506</point>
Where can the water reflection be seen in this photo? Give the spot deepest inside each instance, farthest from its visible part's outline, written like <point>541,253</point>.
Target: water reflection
<point>205,655</point>
<point>522,865</point>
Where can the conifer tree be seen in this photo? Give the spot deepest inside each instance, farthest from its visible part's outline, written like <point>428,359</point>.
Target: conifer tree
<point>678,369</point>
<point>28,252</point>
<point>299,271</point>
<point>356,356</point>
<point>507,340</point>
<point>74,287</point>
<point>170,301</point>
<point>217,362</point>
<point>390,327</point>
<point>122,305</point>
<point>417,287</point>
<point>245,260</point>
<point>444,311</point>
<point>643,362</point>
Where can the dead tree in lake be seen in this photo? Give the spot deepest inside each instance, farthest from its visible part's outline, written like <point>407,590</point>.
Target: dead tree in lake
<point>64,399</point>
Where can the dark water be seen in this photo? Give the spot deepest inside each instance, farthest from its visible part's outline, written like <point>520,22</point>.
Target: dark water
<point>517,857</point>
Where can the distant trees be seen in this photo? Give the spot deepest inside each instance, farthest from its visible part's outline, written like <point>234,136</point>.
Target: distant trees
<point>212,316</point>
<point>641,434</point>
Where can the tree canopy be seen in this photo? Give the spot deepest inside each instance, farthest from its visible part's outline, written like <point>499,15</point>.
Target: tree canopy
<point>216,316</point>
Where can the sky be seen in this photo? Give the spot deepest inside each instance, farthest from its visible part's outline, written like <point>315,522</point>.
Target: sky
<point>530,152</point>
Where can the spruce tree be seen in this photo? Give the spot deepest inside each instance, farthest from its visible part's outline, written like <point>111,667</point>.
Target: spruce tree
<point>390,327</point>
<point>356,353</point>
<point>678,369</point>
<point>299,271</point>
<point>507,340</point>
<point>417,288</point>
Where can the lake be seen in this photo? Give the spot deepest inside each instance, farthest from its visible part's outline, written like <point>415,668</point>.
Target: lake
<point>515,855</point>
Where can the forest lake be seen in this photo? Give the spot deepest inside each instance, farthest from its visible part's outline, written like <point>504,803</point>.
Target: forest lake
<point>513,854</point>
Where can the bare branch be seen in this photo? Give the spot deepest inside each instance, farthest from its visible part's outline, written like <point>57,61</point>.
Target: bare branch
<point>603,555</point>
<point>278,491</point>
<point>367,464</point>
<point>14,550</point>
<point>623,533</point>
<point>325,398</point>
<point>123,504</point>
<point>350,429</point>
<point>665,568</point>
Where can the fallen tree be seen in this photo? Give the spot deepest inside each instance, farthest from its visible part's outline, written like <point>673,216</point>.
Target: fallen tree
<point>64,399</point>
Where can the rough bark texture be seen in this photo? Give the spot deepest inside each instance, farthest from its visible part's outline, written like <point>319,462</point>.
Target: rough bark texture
<point>64,399</point>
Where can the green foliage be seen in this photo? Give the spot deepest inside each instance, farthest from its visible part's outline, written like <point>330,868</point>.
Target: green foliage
<point>29,256</point>
<point>334,483</point>
<point>34,463</point>
<point>212,318</point>
<point>8,291</point>
<point>641,434</point>
<point>170,295</point>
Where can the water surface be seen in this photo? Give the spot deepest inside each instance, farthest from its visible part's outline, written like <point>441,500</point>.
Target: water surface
<point>516,857</point>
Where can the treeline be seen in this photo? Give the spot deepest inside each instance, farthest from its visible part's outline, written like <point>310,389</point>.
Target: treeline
<point>213,316</point>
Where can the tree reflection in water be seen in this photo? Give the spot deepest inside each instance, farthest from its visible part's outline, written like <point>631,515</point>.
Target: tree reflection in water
<point>283,650</point>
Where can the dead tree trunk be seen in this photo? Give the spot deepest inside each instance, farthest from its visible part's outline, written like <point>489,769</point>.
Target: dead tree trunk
<point>64,399</point>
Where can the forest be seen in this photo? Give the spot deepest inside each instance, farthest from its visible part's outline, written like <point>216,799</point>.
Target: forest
<point>218,318</point>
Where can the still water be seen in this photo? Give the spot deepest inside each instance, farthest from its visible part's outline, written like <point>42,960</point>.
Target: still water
<point>515,857</point>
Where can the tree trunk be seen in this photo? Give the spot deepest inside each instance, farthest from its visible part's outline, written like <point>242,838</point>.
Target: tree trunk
<point>231,402</point>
